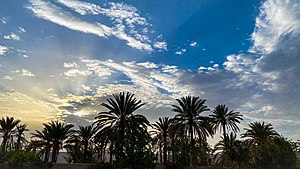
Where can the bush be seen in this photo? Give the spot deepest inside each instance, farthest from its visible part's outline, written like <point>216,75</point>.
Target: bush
<point>22,159</point>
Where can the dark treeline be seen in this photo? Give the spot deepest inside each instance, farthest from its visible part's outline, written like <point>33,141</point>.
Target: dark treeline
<point>120,138</point>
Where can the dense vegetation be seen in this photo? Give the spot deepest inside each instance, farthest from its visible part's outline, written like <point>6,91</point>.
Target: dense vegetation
<point>132,141</point>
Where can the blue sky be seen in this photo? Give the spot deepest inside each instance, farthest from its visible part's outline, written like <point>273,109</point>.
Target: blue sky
<point>61,58</point>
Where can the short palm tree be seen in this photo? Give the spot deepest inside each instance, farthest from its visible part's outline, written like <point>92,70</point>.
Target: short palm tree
<point>260,133</point>
<point>20,135</point>
<point>162,129</point>
<point>7,128</point>
<point>44,142</point>
<point>189,121</point>
<point>85,135</point>
<point>222,118</point>
<point>120,122</point>
<point>58,133</point>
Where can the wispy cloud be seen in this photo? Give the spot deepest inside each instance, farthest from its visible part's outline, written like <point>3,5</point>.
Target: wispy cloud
<point>180,52</point>
<point>3,50</point>
<point>26,72</point>
<point>12,36</point>
<point>125,19</point>
<point>193,44</point>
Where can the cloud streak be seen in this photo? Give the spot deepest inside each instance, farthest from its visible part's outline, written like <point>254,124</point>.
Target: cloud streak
<point>124,17</point>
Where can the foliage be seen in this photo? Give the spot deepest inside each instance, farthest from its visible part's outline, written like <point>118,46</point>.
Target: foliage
<point>189,122</point>
<point>7,128</point>
<point>277,154</point>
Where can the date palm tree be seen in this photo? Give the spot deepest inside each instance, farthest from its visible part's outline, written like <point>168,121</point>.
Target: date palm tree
<point>260,133</point>
<point>224,119</point>
<point>85,135</point>
<point>20,135</point>
<point>120,122</point>
<point>7,128</point>
<point>44,142</point>
<point>58,133</point>
<point>189,121</point>
<point>162,129</point>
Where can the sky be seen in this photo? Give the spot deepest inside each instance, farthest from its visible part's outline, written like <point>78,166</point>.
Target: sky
<point>61,59</point>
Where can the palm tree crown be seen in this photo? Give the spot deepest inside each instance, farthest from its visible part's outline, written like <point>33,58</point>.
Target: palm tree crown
<point>120,121</point>
<point>189,122</point>
<point>162,129</point>
<point>260,133</point>
<point>6,129</point>
<point>223,118</point>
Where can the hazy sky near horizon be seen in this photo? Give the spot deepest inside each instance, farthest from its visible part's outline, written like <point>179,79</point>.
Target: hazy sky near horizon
<point>61,59</point>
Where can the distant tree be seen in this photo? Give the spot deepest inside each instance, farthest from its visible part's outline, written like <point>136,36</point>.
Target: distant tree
<point>58,133</point>
<point>260,133</point>
<point>120,123</point>
<point>189,121</point>
<point>85,135</point>
<point>7,128</point>
<point>223,118</point>
<point>162,129</point>
<point>44,142</point>
<point>20,135</point>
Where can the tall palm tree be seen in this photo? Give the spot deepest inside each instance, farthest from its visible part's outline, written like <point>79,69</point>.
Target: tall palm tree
<point>162,129</point>
<point>20,135</point>
<point>120,121</point>
<point>223,118</point>
<point>189,121</point>
<point>7,127</point>
<point>58,132</point>
<point>260,133</point>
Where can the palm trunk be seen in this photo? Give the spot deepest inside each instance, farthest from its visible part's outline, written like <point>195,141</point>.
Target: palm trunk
<point>192,160</point>
<point>85,152</point>
<point>110,153</point>
<point>47,154</point>
<point>4,142</point>
<point>165,149</point>
<point>160,153</point>
<point>224,130</point>
<point>55,152</point>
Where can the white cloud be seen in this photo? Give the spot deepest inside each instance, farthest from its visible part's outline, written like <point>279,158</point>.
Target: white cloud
<point>12,36</point>
<point>180,52</point>
<point>70,65</point>
<point>22,30</point>
<point>3,20</point>
<point>3,50</point>
<point>75,73</point>
<point>193,44</point>
<point>8,77</point>
<point>26,72</point>
<point>161,45</point>
<point>124,18</point>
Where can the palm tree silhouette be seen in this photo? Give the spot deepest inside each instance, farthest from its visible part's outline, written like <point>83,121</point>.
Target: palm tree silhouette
<point>189,121</point>
<point>85,135</point>
<point>223,118</point>
<point>162,129</point>
<point>7,128</point>
<point>44,142</point>
<point>260,133</point>
<point>120,122</point>
<point>58,133</point>
<point>20,135</point>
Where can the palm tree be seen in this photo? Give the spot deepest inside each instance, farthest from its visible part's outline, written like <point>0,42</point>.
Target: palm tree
<point>120,122</point>
<point>189,121</point>
<point>260,133</point>
<point>58,132</point>
<point>229,149</point>
<point>44,143</point>
<point>223,118</point>
<point>20,135</point>
<point>85,135</point>
<point>162,129</point>
<point>6,129</point>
